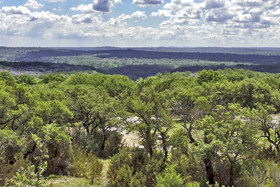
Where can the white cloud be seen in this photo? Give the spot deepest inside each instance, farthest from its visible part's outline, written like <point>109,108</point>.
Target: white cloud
<point>15,10</point>
<point>57,9</point>
<point>211,4</point>
<point>176,5</point>
<point>139,14</point>
<point>218,15</point>
<point>98,6</point>
<point>237,13</point>
<point>162,13</point>
<point>33,4</point>
<point>104,5</point>
<point>85,18</point>
<point>87,9</point>
<point>119,20</point>
<point>185,22</point>
<point>54,1</point>
<point>148,2</point>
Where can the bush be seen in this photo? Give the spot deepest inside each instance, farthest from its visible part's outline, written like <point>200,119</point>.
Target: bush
<point>31,176</point>
<point>112,144</point>
<point>169,178</point>
<point>86,165</point>
<point>134,167</point>
<point>10,146</point>
<point>58,149</point>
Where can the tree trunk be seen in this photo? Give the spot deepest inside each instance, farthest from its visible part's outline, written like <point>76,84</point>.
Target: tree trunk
<point>209,171</point>
<point>29,152</point>
<point>230,183</point>
<point>164,147</point>
<point>86,127</point>
<point>208,165</point>
<point>103,142</point>
<point>192,140</point>
<point>149,142</point>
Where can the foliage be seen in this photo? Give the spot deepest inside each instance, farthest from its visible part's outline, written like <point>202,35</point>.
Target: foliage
<point>10,145</point>
<point>27,79</point>
<point>221,127</point>
<point>134,168</point>
<point>86,165</point>
<point>7,78</point>
<point>169,178</point>
<point>28,177</point>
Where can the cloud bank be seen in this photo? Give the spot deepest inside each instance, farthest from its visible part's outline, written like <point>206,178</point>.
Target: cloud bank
<point>176,23</point>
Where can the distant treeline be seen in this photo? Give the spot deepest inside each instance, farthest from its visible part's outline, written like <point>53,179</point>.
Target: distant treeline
<point>45,66</point>
<point>39,54</point>
<point>132,71</point>
<point>144,71</point>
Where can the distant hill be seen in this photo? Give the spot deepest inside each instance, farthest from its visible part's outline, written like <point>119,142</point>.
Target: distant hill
<point>36,68</point>
<point>137,62</point>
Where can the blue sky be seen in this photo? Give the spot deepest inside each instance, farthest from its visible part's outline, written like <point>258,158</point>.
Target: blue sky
<point>140,23</point>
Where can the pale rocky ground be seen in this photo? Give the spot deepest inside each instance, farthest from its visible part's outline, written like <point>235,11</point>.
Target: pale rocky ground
<point>275,119</point>
<point>130,139</point>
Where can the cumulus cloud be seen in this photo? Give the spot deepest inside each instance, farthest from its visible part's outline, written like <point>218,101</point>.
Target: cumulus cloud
<point>218,15</point>
<point>33,4</point>
<point>228,13</point>
<point>148,2</point>
<point>162,13</point>
<point>139,14</point>
<point>186,22</point>
<point>87,9</point>
<point>85,18</point>
<point>249,3</point>
<point>54,1</point>
<point>211,4</point>
<point>180,12</point>
<point>102,6</point>
<point>119,20</point>
<point>57,9</point>
<point>176,5</point>
<point>105,5</point>
<point>15,10</point>
<point>98,6</point>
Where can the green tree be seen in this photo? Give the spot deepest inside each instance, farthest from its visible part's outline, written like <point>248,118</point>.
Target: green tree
<point>7,78</point>
<point>189,107</point>
<point>229,139</point>
<point>169,178</point>
<point>26,79</point>
<point>269,128</point>
<point>99,114</point>
<point>208,76</point>
<point>153,108</point>
<point>53,78</point>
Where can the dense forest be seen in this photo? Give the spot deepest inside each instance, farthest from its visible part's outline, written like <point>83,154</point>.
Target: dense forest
<point>217,128</point>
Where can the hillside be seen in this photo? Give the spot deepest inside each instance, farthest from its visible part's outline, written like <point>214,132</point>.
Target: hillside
<point>137,62</point>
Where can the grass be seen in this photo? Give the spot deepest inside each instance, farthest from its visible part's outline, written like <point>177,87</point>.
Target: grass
<point>79,182</point>
<point>67,181</point>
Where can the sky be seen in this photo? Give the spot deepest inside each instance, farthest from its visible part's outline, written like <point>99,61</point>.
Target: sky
<point>140,23</point>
